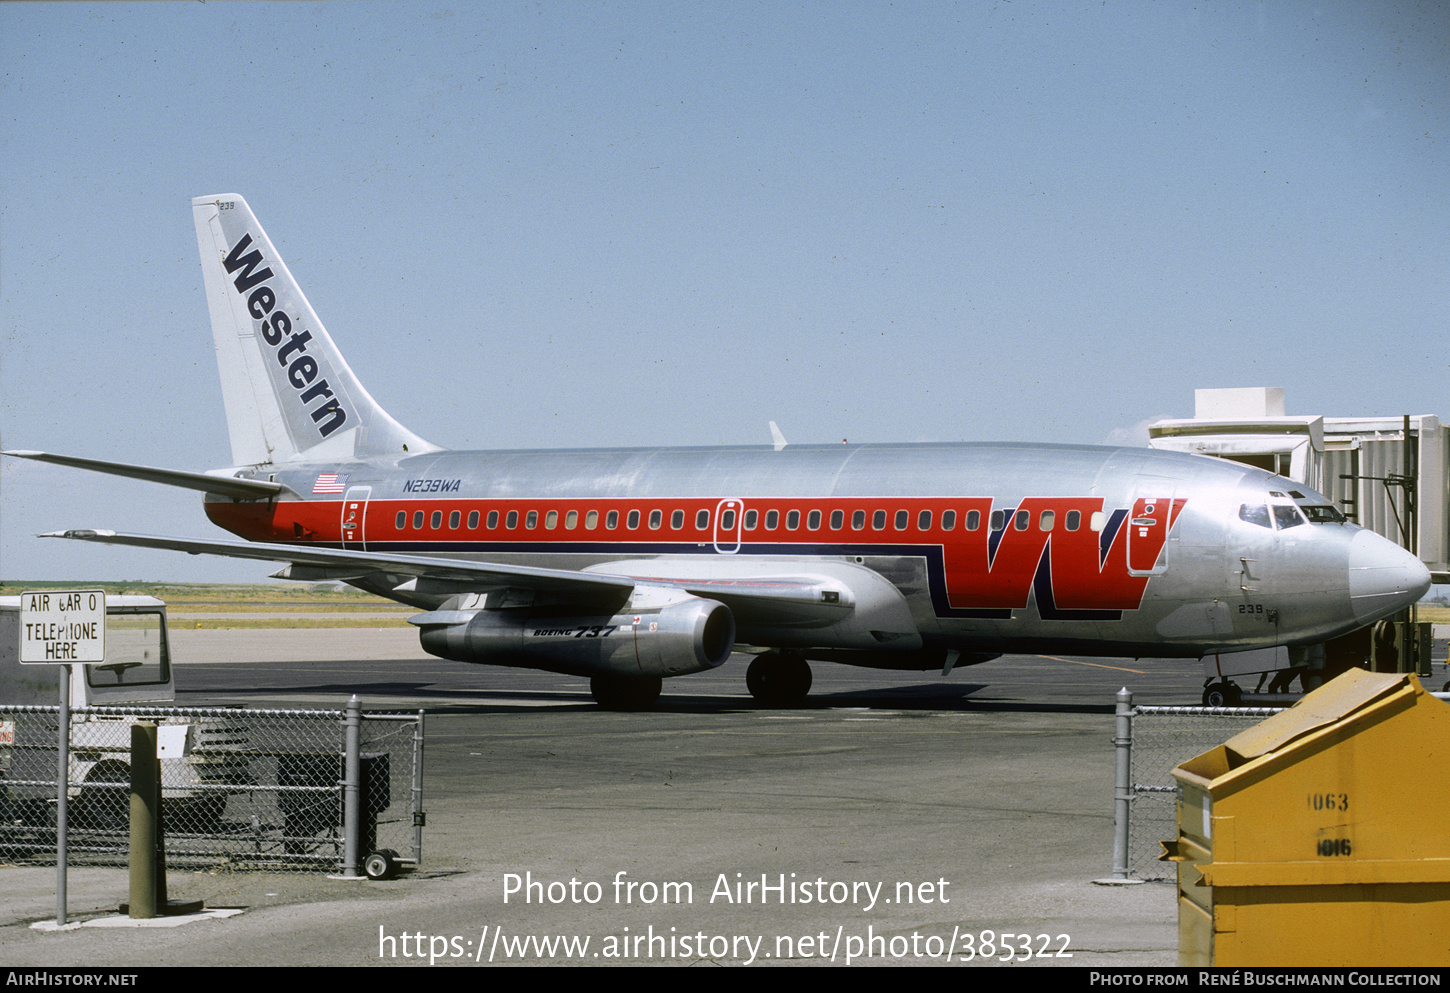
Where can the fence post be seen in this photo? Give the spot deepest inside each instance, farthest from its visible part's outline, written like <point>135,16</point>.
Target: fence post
<point>1123,786</point>
<point>418,815</point>
<point>62,799</point>
<point>351,787</point>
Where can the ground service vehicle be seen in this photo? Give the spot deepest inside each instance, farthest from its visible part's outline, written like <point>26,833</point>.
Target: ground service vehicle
<point>137,671</point>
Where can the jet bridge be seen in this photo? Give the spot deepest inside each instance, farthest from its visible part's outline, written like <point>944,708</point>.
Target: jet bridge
<point>1390,475</point>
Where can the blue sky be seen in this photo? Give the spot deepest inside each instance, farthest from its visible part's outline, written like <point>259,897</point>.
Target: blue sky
<point>557,225</point>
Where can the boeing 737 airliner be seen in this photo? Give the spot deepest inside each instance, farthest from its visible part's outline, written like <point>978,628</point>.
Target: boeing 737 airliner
<point>629,565</point>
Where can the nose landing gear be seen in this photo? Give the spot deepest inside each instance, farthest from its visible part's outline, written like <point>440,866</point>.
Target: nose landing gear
<point>1222,693</point>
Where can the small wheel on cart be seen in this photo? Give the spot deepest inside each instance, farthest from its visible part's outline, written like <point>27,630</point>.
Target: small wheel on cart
<point>382,864</point>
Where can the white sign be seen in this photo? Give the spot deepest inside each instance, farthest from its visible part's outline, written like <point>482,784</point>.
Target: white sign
<point>63,626</point>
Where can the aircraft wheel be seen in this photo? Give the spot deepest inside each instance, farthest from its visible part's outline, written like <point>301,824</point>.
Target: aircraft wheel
<point>777,680</point>
<point>382,864</point>
<point>1223,693</point>
<point>625,692</point>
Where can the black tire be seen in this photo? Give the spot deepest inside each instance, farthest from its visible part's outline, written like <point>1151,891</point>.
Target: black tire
<point>1222,694</point>
<point>777,680</point>
<point>382,864</point>
<point>627,693</point>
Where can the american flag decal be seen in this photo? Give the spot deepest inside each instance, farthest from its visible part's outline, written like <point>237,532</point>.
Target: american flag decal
<point>330,482</point>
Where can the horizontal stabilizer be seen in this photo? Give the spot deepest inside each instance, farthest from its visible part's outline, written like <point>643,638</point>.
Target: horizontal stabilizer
<point>243,489</point>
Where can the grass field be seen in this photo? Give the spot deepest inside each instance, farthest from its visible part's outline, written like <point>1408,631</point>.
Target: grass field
<point>275,606</point>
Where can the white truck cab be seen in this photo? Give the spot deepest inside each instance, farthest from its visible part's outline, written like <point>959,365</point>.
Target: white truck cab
<point>136,672</point>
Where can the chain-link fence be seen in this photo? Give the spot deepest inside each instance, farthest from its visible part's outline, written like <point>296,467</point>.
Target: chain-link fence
<point>245,788</point>
<point>1151,743</point>
<point>1163,738</point>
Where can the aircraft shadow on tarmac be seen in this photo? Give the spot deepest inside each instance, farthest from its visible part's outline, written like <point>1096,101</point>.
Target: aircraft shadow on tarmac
<point>432,696</point>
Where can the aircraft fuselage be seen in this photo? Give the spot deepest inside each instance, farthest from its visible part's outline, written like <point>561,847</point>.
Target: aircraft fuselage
<point>993,547</point>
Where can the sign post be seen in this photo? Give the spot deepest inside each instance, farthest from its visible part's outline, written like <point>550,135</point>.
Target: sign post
<point>61,627</point>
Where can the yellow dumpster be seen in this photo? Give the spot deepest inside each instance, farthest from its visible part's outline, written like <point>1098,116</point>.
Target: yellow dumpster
<point>1321,837</point>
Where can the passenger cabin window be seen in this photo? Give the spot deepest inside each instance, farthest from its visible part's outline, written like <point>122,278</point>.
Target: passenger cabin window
<point>1098,521</point>
<point>571,519</point>
<point>551,519</point>
<point>838,519</point>
<point>512,521</point>
<point>436,521</point>
<point>702,520</point>
<point>417,520</point>
<point>402,519</point>
<point>792,520</point>
<point>813,520</point>
<point>772,518</point>
<point>923,521</point>
<point>591,520</point>
<point>903,518</point>
<point>727,520</point>
<point>1073,520</point>
<point>632,521</point>
<point>1021,520</point>
<point>453,520</point>
<point>492,519</point>
<point>858,520</point>
<point>1046,520</point>
<point>948,520</point>
<point>473,520</point>
<point>656,518</point>
<point>531,520</point>
<point>611,520</point>
<point>999,520</point>
<point>974,520</point>
<point>677,520</point>
<point>878,520</point>
<point>752,517</point>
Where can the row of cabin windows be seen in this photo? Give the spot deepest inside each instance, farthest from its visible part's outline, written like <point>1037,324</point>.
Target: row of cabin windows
<point>900,521</point>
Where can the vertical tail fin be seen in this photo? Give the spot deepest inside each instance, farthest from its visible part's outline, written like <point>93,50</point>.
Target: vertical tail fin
<point>289,393</point>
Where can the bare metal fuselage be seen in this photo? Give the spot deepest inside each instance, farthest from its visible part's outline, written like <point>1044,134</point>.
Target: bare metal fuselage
<point>1096,550</point>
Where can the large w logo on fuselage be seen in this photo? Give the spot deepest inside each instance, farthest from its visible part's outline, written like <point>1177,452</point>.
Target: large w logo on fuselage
<point>1081,567</point>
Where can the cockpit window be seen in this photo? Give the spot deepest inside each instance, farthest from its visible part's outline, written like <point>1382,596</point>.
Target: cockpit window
<point>1286,515</point>
<point>1255,513</point>
<point>1322,514</point>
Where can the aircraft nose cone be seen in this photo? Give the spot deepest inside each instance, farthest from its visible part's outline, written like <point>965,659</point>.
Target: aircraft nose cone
<point>1383,577</point>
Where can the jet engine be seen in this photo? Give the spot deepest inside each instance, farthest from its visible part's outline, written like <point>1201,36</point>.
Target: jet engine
<point>658,633</point>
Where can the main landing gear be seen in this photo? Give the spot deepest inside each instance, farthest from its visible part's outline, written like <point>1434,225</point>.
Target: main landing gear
<point>613,692</point>
<point>778,679</point>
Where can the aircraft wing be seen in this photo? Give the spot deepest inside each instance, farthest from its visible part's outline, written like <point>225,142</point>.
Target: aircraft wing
<point>476,576</point>
<point>810,601</point>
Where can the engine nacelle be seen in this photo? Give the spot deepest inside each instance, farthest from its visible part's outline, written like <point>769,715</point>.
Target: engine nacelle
<point>660,633</point>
